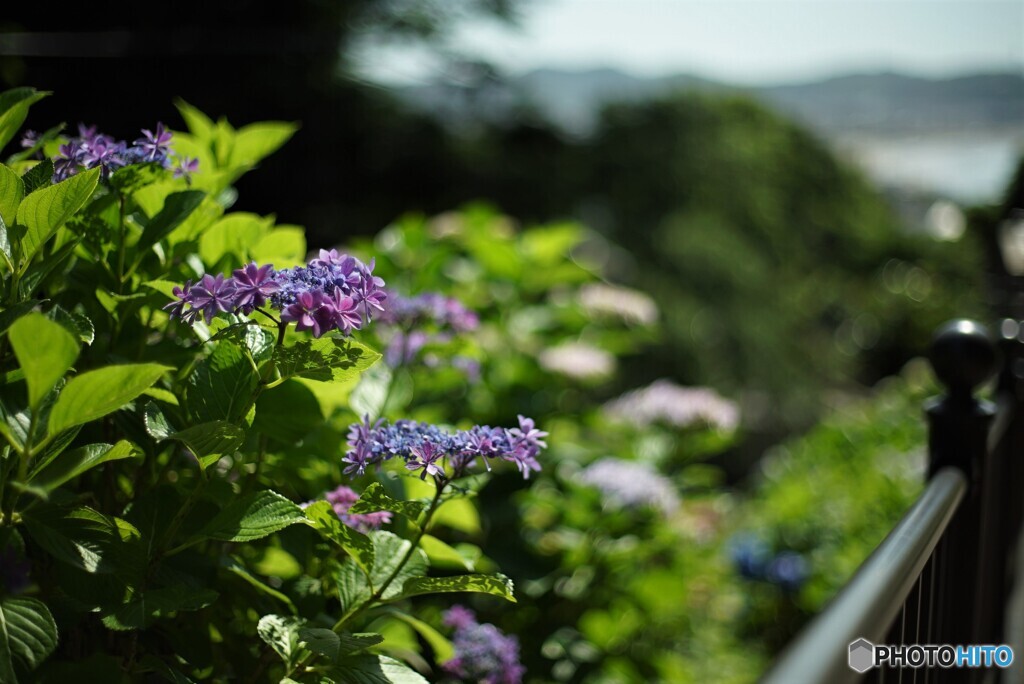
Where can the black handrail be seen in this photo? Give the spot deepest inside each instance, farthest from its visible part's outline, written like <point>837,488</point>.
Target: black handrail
<point>945,572</point>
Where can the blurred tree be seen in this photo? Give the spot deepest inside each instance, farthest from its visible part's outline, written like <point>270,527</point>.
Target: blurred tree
<point>359,159</point>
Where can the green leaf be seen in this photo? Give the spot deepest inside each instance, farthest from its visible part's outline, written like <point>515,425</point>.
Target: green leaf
<point>323,518</point>
<point>208,441</point>
<point>28,635</point>
<point>39,176</point>
<point>14,106</point>
<point>86,539</point>
<point>253,516</point>
<point>198,123</point>
<point>374,499</point>
<point>258,140</point>
<point>10,315</point>
<point>442,647</point>
<point>353,586</point>
<point>94,394</point>
<point>442,555</point>
<point>77,324</point>
<point>233,235</point>
<point>12,192</point>
<point>74,463</point>
<point>177,207</point>
<point>373,669</point>
<point>222,386</point>
<point>320,640</point>
<point>388,551</point>
<point>380,391</point>
<point>45,351</point>
<point>283,247</point>
<point>233,566</point>
<point>495,585</point>
<point>327,359</point>
<point>281,633</point>
<point>151,604</point>
<point>288,412</point>
<point>46,210</point>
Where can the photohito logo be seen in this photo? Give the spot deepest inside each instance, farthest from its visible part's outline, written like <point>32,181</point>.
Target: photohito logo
<point>865,655</point>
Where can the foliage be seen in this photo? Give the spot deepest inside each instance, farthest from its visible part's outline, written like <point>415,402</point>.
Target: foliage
<point>140,531</point>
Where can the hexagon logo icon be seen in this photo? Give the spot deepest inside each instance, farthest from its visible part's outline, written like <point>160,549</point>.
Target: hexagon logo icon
<point>862,655</point>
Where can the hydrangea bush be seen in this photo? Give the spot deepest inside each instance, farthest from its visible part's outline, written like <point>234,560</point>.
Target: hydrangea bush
<point>191,486</point>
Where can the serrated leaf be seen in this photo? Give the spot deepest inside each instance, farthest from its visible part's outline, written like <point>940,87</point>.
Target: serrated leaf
<point>96,393</point>
<point>326,359</point>
<point>324,520</point>
<point>39,176</point>
<point>46,210</point>
<point>45,351</point>
<point>353,586</point>
<point>373,669</point>
<point>209,441</point>
<point>388,551</point>
<point>495,585</point>
<point>12,192</point>
<point>281,633</point>
<point>374,499</point>
<point>28,635</point>
<point>320,640</point>
<point>222,386</point>
<point>253,516</point>
<point>177,207</point>
<point>77,324</point>
<point>74,463</point>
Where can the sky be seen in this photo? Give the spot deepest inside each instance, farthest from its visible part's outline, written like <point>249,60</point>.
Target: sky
<point>744,42</point>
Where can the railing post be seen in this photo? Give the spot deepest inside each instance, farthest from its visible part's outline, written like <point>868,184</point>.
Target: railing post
<point>963,357</point>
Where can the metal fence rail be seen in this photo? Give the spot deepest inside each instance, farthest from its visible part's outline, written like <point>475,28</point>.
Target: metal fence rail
<point>945,573</point>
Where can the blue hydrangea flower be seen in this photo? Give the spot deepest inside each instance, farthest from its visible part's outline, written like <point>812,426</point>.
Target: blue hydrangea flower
<point>425,446</point>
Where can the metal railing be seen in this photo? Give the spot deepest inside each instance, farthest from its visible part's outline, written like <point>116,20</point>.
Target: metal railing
<point>945,573</point>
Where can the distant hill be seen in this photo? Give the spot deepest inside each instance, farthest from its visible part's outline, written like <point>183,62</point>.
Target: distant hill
<point>884,103</point>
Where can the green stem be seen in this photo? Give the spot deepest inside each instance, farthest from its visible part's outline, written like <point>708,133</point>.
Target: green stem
<point>179,518</point>
<point>120,245</point>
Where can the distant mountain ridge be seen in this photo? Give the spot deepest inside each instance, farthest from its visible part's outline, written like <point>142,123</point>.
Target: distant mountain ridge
<point>879,103</point>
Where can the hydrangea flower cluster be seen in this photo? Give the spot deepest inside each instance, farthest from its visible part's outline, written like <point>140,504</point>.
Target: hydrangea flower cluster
<point>426,448</point>
<point>754,560</point>
<point>631,306</point>
<point>91,149</point>
<point>578,360</point>
<point>482,652</point>
<point>410,315</point>
<point>680,407</point>
<point>628,484</point>
<point>341,499</point>
<point>332,292</point>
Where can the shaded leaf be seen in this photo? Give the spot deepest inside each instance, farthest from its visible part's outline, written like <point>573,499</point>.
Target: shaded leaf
<point>373,669</point>
<point>78,461</point>
<point>281,633</point>
<point>177,207</point>
<point>221,387</point>
<point>374,499</point>
<point>327,359</point>
<point>253,516</point>
<point>388,552</point>
<point>28,635</point>
<point>39,176</point>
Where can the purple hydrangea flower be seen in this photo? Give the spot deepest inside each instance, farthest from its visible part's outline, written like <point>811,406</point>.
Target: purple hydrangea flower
<point>212,295</point>
<point>333,292</point>
<point>185,167</point>
<point>341,499</point>
<point>253,286</point>
<point>483,653</point>
<point>422,445</point>
<point>29,139</point>
<point>677,406</point>
<point>788,570</point>
<point>154,146</point>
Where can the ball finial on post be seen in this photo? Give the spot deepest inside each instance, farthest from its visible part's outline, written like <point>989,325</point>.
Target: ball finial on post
<point>963,356</point>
